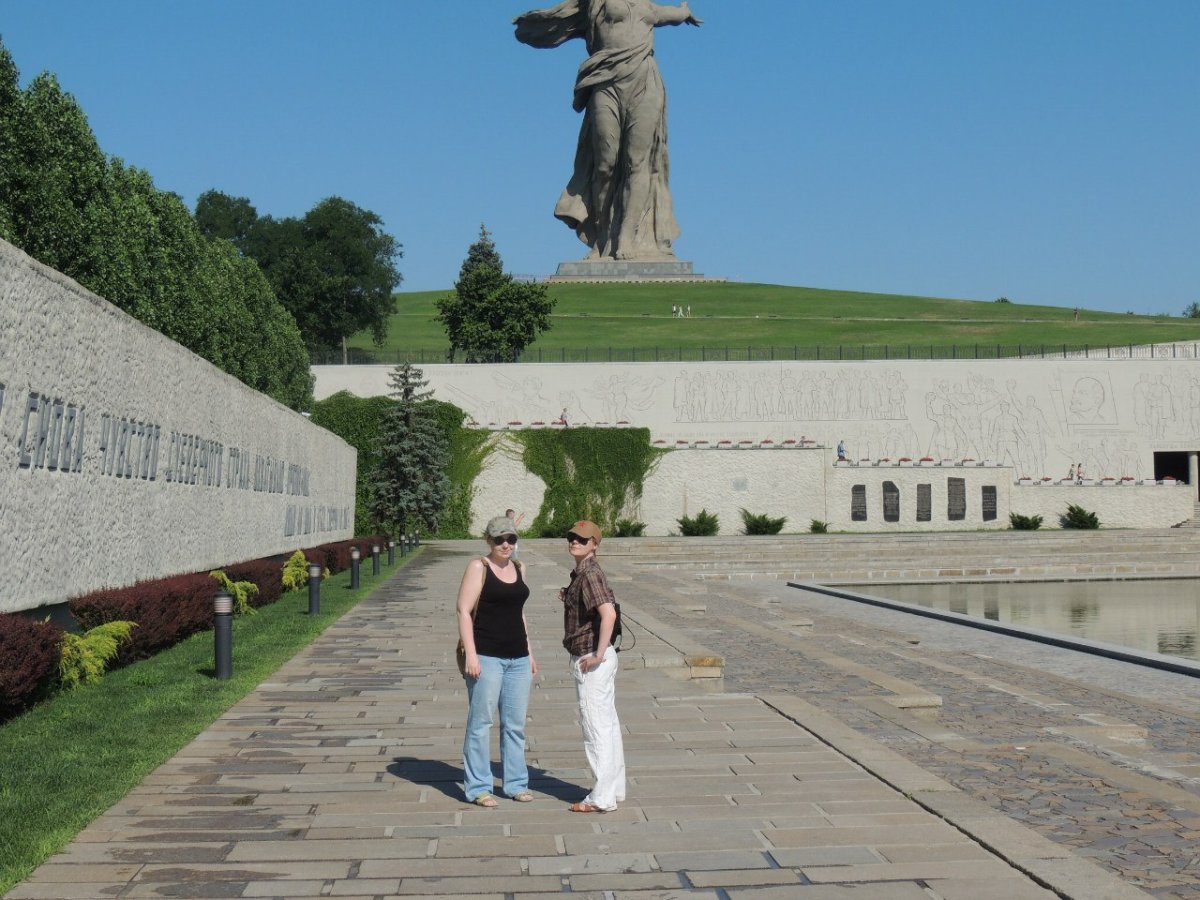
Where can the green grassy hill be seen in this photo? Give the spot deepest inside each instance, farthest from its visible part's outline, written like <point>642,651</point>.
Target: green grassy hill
<point>637,317</point>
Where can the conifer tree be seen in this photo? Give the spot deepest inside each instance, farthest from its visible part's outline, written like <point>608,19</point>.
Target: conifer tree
<point>409,486</point>
<point>481,253</point>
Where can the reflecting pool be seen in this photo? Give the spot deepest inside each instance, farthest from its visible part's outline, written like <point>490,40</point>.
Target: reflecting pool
<point>1158,616</point>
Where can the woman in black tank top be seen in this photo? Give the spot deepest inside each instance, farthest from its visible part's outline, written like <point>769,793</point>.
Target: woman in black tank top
<point>499,665</point>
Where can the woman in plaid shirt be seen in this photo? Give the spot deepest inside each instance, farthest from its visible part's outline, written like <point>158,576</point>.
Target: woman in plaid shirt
<point>588,620</point>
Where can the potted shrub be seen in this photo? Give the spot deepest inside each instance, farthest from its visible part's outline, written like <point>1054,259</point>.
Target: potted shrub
<point>701,444</point>
<point>724,445</point>
<point>905,461</point>
<point>746,445</point>
<point>925,461</point>
<point>767,444</point>
<point>789,444</point>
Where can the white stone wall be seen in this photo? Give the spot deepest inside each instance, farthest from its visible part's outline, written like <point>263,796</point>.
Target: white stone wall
<point>125,457</point>
<point>505,483</point>
<point>1039,417</point>
<point>1121,506</point>
<point>773,482</point>
<point>806,484</point>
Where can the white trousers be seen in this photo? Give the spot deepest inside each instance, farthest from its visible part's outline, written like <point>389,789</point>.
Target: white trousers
<point>602,742</point>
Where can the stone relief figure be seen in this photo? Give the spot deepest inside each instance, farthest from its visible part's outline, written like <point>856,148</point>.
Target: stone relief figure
<point>618,200</point>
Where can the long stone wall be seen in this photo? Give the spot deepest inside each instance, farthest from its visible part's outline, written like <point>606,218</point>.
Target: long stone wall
<point>1038,417</point>
<point>124,456</point>
<point>805,484</point>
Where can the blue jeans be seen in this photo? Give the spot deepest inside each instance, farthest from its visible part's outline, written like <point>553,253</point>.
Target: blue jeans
<point>503,684</point>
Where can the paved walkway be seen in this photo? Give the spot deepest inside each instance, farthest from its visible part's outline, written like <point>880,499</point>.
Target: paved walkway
<point>340,776</point>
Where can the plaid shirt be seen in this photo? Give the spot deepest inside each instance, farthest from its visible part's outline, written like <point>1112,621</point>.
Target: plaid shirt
<point>587,591</point>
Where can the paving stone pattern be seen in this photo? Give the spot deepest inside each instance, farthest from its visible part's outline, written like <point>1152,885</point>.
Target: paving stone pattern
<point>1096,755</point>
<point>340,777</point>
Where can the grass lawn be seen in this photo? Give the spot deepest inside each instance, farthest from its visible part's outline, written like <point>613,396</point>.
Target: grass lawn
<point>628,316</point>
<point>67,761</point>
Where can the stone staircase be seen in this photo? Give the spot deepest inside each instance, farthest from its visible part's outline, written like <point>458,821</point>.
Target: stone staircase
<point>1194,521</point>
<point>858,558</point>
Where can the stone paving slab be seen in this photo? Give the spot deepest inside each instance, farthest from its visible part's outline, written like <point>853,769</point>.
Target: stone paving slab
<point>341,777</point>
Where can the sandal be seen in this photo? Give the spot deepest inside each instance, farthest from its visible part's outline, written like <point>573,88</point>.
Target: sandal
<point>486,800</point>
<point>584,807</point>
<point>523,797</point>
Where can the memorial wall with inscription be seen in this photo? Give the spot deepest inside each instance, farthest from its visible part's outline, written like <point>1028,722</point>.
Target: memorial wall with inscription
<point>124,456</point>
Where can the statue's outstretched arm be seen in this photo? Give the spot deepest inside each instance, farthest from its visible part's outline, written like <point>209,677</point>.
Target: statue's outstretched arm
<point>675,15</point>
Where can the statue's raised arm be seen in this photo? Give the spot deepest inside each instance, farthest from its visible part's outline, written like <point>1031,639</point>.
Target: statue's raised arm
<point>675,15</point>
<point>618,199</point>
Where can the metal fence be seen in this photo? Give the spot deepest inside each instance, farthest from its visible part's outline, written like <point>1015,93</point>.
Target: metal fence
<point>734,353</point>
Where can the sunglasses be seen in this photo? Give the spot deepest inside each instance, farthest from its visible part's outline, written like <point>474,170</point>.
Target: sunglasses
<point>510,539</point>
<point>573,538</point>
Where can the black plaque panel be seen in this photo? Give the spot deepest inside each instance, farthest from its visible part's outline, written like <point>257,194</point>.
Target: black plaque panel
<point>956,499</point>
<point>858,503</point>
<point>989,502</point>
<point>891,502</point>
<point>924,503</point>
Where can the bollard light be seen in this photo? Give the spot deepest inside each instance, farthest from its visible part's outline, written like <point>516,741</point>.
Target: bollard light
<point>391,552</point>
<point>314,589</point>
<point>375,559</point>
<point>354,558</point>
<point>416,537</point>
<point>403,544</point>
<point>223,634</point>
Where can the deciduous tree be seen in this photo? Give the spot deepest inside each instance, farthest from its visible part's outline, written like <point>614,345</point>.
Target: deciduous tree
<point>491,317</point>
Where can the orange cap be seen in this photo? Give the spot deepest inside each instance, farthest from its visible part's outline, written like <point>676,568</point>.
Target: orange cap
<point>586,529</point>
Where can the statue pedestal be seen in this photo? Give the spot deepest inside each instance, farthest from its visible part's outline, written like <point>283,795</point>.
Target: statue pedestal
<point>626,270</point>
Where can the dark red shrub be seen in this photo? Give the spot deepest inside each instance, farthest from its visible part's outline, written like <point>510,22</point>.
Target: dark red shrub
<point>166,610</point>
<point>266,573</point>
<point>29,652</point>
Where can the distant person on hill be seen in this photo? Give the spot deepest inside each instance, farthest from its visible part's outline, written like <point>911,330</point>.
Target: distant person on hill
<point>1079,476</point>
<point>841,451</point>
<point>1071,473</point>
<point>562,417</point>
<point>689,310</point>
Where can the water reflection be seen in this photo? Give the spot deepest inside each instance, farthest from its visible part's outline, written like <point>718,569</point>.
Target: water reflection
<point>1156,616</point>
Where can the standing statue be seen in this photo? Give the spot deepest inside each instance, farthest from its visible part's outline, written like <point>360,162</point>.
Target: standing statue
<point>618,200</point>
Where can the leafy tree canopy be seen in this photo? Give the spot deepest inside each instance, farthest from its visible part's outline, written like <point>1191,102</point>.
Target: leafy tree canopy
<point>334,268</point>
<point>1192,311</point>
<point>105,224</point>
<point>491,317</point>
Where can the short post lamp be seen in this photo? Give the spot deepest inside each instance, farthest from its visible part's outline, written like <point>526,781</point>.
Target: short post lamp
<point>314,589</point>
<point>354,558</point>
<point>416,537</point>
<point>375,559</point>
<point>223,634</point>
<point>391,552</point>
<point>403,544</point>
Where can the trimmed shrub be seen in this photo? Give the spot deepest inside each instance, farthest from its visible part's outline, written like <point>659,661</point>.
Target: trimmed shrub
<point>629,528</point>
<point>816,526</point>
<point>295,572</point>
<point>241,591</point>
<point>29,652</point>
<point>1078,517</point>
<point>167,610</point>
<point>1024,523</point>
<point>703,524</point>
<point>86,656</point>
<point>263,574</point>
<point>761,523</point>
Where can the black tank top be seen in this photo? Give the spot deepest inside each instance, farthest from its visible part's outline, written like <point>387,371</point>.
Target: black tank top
<point>499,629</point>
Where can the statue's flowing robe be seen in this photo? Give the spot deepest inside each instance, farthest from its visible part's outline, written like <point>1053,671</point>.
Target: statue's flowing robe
<point>626,73</point>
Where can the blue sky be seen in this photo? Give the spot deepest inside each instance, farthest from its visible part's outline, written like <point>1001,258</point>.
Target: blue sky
<point>1043,150</point>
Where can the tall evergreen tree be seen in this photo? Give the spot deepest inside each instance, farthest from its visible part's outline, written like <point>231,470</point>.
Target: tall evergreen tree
<point>409,486</point>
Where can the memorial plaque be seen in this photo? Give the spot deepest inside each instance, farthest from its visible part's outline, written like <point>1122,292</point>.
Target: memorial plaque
<point>858,503</point>
<point>956,499</point>
<point>891,502</point>
<point>924,502</point>
<point>989,503</point>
